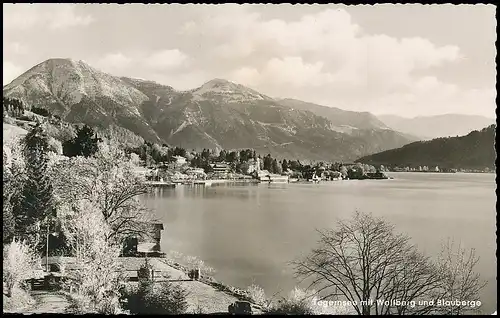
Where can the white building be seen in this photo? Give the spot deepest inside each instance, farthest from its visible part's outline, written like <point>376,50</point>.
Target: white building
<point>180,160</point>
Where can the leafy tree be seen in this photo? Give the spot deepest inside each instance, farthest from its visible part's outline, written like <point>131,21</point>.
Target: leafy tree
<point>98,276</point>
<point>13,107</point>
<point>343,171</point>
<point>109,181</point>
<point>232,157</point>
<point>268,162</point>
<point>179,151</point>
<point>284,165</point>
<point>355,173</point>
<point>85,143</point>
<point>222,156</point>
<point>274,166</point>
<point>245,155</point>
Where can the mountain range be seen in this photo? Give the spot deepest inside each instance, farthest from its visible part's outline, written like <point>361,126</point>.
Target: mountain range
<point>218,114</point>
<point>475,150</point>
<point>428,127</point>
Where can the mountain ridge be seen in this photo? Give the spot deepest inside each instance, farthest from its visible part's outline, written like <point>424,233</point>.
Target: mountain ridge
<point>218,114</point>
<point>476,150</point>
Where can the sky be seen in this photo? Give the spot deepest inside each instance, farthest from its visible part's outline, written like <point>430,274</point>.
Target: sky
<point>407,60</point>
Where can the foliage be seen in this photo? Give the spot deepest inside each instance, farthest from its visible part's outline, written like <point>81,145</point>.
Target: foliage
<point>363,259</point>
<point>258,295</point>
<point>40,111</point>
<point>155,298</point>
<point>473,151</point>
<point>36,204</point>
<point>19,263</point>
<point>13,107</point>
<point>298,302</point>
<point>98,276</point>
<point>62,133</point>
<point>85,143</point>
<point>18,301</point>
<point>109,182</point>
<point>13,179</point>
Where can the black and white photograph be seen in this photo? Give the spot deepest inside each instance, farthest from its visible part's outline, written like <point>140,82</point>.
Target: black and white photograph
<point>249,159</point>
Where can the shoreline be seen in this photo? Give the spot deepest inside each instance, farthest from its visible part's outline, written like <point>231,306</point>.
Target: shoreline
<point>210,281</point>
<point>206,293</point>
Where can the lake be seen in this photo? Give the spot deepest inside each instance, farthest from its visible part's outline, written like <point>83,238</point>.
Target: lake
<point>248,233</point>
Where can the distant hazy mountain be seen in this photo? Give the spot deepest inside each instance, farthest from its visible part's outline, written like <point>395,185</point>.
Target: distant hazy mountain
<point>449,125</point>
<point>342,120</point>
<point>476,150</point>
<point>217,114</point>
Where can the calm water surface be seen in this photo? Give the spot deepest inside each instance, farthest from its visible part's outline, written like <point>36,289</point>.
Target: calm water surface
<point>248,233</point>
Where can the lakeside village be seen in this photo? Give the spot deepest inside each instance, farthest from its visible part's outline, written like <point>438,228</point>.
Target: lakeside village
<point>77,238</point>
<point>216,166</point>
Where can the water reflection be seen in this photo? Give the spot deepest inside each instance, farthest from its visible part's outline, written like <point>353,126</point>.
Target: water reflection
<point>251,232</point>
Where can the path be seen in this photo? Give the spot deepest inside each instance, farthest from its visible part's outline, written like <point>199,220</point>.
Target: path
<point>201,298</point>
<point>48,302</point>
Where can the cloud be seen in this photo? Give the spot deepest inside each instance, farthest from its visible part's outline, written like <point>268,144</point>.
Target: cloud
<point>14,48</point>
<point>166,59</point>
<point>114,61</point>
<point>10,72</point>
<point>290,70</point>
<point>143,62</point>
<point>327,56</point>
<point>52,16</point>
<point>65,16</point>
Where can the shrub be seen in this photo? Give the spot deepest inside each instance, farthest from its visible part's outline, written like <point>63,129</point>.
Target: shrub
<point>166,298</point>
<point>19,263</point>
<point>155,298</point>
<point>40,111</point>
<point>257,295</point>
<point>18,300</point>
<point>299,302</point>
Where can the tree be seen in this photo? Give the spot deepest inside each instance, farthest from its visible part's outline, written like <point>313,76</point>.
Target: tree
<point>222,156</point>
<point>274,166</point>
<point>13,107</point>
<point>459,282</point>
<point>284,165</point>
<point>179,151</point>
<point>257,295</point>
<point>36,204</point>
<point>85,143</point>
<point>364,259</point>
<point>98,276</point>
<point>268,162</point>
<point>109,181</point>
<point>13,180</point>
<point>343,171</point>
